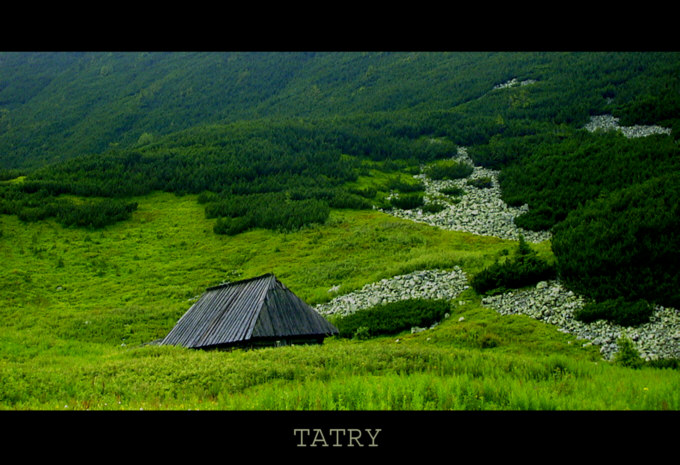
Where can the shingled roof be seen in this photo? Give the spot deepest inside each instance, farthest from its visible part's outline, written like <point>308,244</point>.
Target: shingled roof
<point>256,310</point>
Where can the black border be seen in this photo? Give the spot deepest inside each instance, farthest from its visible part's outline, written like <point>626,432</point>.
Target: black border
<point>226,435</point>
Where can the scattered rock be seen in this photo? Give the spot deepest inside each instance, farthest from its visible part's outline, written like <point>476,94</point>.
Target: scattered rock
<point>424,284</point>
<point>611,123</point>
<point>514,82</point>
<point>478,211</point>
<point>554,304</point>
<point>482,211</point>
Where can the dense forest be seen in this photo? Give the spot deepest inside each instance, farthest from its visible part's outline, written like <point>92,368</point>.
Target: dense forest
<point>55,106</point>
<point>272,140</point>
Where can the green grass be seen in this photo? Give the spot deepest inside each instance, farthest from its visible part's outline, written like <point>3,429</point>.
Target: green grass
<point>78,306</point>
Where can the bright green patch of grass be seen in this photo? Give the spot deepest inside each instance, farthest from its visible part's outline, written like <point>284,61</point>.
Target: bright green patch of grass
<point>78,305</point>
<point>139,276</point>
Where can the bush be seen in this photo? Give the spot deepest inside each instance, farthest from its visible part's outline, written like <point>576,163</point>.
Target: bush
<point>396,183</point>
<point>539,219</point>
<point>489,341</point>
<point>407,201</point>
<point>95,214</point>
<point>627,355</point>
<point>481,183</point>
<point>433,207</point>
<point>362,333</point>
<point>274,211</point>
<point>448,169</point>
<point>290,216</point>
<point>391,318</point>
<point>454,191</point>
<point>665,363</point>
<point>206,197</point>
<point>625,244</point>
<point>522,270</point>
<point>345,199</point>
<point>231,226</point>
<point>617,311</point>
<point>365,192</point>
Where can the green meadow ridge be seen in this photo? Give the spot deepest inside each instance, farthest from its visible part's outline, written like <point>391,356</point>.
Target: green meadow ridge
<point>439,208</point>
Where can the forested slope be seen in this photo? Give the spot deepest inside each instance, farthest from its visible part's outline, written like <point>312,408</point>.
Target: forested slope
<point>273,139</point>
<point>54,106</point>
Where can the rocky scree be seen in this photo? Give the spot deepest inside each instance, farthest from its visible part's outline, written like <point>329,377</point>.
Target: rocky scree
<point>611,123</point>
<point>478,211</point>
<point>425,284</point>
<point>551,303</point>
<point>482,211</point>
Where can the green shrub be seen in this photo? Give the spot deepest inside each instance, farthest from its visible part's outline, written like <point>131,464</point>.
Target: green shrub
<point>391,318</point>
<point>345,199</point>
<point>625,244</point>
<point>539,219</point>
<point>95,214</point>
<point>448,169</point>
<point>366,192</point>
<point>407,201</point>
<point>90,214</point>
<point>231,226</point>
<point>453,191</point>
<point>627,355</point>
<point>273,211</point>
<point>433,207</point>
<point>665,363</point>
<point>489,341</point>
<point>617,311</point>
<point>362,333</point>
<point>397,183</point>
<point>522,270</point>
<point>207,196</point>
<point>481,183</point>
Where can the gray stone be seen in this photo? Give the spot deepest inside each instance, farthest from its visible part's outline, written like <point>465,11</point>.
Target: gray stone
<point>611,123</point>
<point>446,284</point>
<point>480,210</point>
<point>557,305</point>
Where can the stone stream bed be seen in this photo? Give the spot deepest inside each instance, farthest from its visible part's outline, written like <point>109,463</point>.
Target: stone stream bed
<point>481,211</point>
<point>548,301</point>
<point>425,284</point>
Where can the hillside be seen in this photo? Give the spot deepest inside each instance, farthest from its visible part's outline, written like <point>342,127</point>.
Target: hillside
<point>535,194</point>
<point>54,106</point>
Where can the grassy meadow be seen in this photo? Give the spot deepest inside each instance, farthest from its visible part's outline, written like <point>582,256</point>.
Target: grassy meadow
<point>79,308</point>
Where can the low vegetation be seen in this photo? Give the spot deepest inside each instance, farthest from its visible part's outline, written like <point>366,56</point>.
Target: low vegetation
<point>453,191</point>
<point>525,268</point>
<point>391,318</point>
<point>407,201</point>
<point>77,338</point>
<point>618,311</point>
<point>480,183</point>
<point>116,215</point>
<point>625,244</point>
<point>448,169</point>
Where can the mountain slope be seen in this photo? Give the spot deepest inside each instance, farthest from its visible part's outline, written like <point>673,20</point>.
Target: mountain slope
<point>54,106</point>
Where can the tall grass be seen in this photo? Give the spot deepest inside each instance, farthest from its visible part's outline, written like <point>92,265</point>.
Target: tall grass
<point>338,376</point>
<point>79,306</point>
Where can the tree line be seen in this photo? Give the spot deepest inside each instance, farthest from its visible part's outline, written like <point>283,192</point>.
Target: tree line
<point>308,164</point>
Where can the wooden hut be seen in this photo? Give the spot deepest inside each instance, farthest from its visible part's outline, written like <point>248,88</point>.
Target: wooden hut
<point>253,312</point>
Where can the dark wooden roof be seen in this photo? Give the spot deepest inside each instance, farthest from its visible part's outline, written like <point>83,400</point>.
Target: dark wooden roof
<point>251,309</point>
